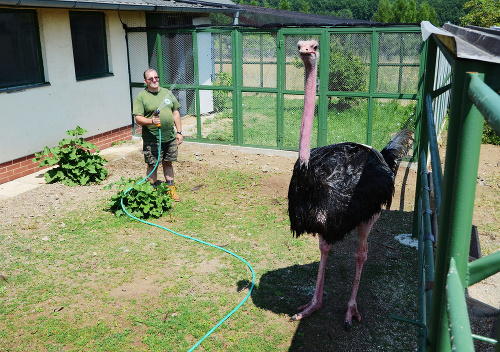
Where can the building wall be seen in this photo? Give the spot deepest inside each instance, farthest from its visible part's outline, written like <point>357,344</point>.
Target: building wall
<point>38,117</point>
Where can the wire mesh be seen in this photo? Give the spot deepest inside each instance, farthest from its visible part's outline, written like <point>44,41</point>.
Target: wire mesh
<point>217,126</point>
<point>347,120</point>
<point>389,116</point>
<point>294,68</point>
<point>398,63</point>
<point>349,63</point>
<point>259,119</point>
<point>202,68</point>
<point>442,78</point>
<point>177,58</point>
<point>292,119</point>
<point>259,60</point>
<point>222,67</point>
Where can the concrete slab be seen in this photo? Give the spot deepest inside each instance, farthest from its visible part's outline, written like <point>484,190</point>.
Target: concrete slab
<point>21,185</point>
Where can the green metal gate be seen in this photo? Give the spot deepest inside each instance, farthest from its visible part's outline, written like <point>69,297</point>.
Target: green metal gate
<point>245,86</point>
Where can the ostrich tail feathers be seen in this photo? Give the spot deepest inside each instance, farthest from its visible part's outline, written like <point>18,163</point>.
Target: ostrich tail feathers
<point>397,147</point>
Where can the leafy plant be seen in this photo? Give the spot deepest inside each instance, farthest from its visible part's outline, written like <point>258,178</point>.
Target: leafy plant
<point>489,135</point>
<point>142,200</point>
<point>76,164</point>
<point>222,98</point>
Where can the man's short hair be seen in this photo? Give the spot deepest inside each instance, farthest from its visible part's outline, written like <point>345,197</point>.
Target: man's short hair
<point>148,70</point>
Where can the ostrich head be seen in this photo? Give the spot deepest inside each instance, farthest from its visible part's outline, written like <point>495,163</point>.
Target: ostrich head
<point>308,52</point>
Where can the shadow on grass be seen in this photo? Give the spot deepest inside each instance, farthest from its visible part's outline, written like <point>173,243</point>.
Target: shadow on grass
<point>388,287</point>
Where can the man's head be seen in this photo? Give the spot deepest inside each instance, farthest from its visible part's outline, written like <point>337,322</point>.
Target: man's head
<point>151,79</point>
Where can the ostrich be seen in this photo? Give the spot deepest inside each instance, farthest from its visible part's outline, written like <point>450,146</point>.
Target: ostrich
<point>337,188</point>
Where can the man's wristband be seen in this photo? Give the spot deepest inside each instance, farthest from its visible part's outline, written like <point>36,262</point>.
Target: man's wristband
<point>179,133</point>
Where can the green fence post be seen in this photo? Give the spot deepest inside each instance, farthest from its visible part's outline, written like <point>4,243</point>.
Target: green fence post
<point>460,332</point>
<point>460,176</point>
<point>324,68</point>
<point>237,59</point>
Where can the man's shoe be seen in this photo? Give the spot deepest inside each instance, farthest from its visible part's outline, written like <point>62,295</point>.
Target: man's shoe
<point>173,193</point>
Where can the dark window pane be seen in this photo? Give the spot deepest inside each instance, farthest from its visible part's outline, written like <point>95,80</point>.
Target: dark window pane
<point>89,44</point>
<point>20,60</point>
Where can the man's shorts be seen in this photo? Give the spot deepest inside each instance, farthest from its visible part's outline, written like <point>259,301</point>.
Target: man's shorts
<point>168,151</point>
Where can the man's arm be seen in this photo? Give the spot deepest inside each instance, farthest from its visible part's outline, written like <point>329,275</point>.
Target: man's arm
<point>178,126</point>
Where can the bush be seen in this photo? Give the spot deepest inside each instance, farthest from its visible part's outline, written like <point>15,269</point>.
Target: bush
<point>489,135</point>
<point>222,100</point>
<point>142,200</point>
<point>76,164</point>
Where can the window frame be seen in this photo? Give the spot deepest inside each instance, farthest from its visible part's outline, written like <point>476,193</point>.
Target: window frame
<point>105,72</point>
<point>36,52</point>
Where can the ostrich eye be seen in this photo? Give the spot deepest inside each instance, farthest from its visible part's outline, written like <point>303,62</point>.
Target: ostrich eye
<point>315,47</point>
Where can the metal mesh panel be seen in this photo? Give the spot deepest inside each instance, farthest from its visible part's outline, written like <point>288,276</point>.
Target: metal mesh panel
<point>177,58</point>
<point>293,107</point>
<point>294,68</point>
<point>398,63</point>
<point>442,78</point>
<point>221,58</point>
<point>138,54</point>
<point>218,125</point>
<point>347,120</point>
<point>259,60</point>
<point>259,119</point>
<point>349,66</point>
<point>389,116</point>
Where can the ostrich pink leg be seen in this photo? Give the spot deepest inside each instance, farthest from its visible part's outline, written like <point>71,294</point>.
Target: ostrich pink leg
<point>317,299</point>
<point>360,256</point>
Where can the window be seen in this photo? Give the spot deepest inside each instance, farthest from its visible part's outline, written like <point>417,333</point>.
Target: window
<point>88,33</point>
<point>20,54</point>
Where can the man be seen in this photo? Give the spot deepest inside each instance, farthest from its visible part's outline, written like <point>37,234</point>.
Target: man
<point>154,97</point>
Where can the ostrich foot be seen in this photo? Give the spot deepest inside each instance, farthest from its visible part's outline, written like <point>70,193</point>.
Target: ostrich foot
<point>352,312</point>
<point>306,310</point>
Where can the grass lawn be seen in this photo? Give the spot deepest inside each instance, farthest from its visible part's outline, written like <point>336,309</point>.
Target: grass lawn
<point>76,278</point>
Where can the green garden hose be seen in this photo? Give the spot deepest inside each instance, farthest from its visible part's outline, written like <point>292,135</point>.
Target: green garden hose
<point>199,241</point>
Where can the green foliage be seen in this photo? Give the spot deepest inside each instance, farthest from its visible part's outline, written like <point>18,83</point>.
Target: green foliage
<point>448,10</point>
<point>284,5</point>
<point>482,13</point>
<point>427,13</point>
<point>489,135</point>
<point>142,200</point>
<point>384,12</point>
<point>347,71</point>
<point>76,164</point>
<point>222,99</point>
<point>405,11</point>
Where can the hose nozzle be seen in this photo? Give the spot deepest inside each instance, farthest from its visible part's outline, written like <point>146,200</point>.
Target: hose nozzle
<point>157,113</point>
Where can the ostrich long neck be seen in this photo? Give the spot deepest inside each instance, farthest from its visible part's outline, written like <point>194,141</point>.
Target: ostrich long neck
<point>308,114</point>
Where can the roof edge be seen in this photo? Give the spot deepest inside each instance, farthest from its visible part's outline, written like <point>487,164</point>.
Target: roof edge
<point>75,4</point>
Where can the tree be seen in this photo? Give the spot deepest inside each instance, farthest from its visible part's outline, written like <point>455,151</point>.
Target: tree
<point>284,5</point>
<point>304,7</point>
<point>344,13</point>
<point>427,13</point>
<point>384,12</point>
<point>482,13</point>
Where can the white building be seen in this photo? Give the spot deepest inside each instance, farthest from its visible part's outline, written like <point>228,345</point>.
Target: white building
<point>64,63</point>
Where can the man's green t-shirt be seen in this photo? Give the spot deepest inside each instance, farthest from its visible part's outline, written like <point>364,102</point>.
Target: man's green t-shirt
<point>146,103</point>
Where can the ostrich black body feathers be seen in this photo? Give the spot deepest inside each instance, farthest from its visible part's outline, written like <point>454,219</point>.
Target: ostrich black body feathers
<point>341,186</point>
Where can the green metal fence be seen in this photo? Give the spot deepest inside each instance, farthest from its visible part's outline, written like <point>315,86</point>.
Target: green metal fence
<point>245,86</point>
<point>443,319</point>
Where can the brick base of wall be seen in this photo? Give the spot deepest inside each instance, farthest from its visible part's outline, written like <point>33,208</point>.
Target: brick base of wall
<point>20,167</point>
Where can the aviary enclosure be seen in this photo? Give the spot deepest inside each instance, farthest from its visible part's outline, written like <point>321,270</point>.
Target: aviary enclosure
<point>244,86</point>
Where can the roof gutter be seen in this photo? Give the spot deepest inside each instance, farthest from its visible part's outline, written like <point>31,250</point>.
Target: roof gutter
<point>71,4</point>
